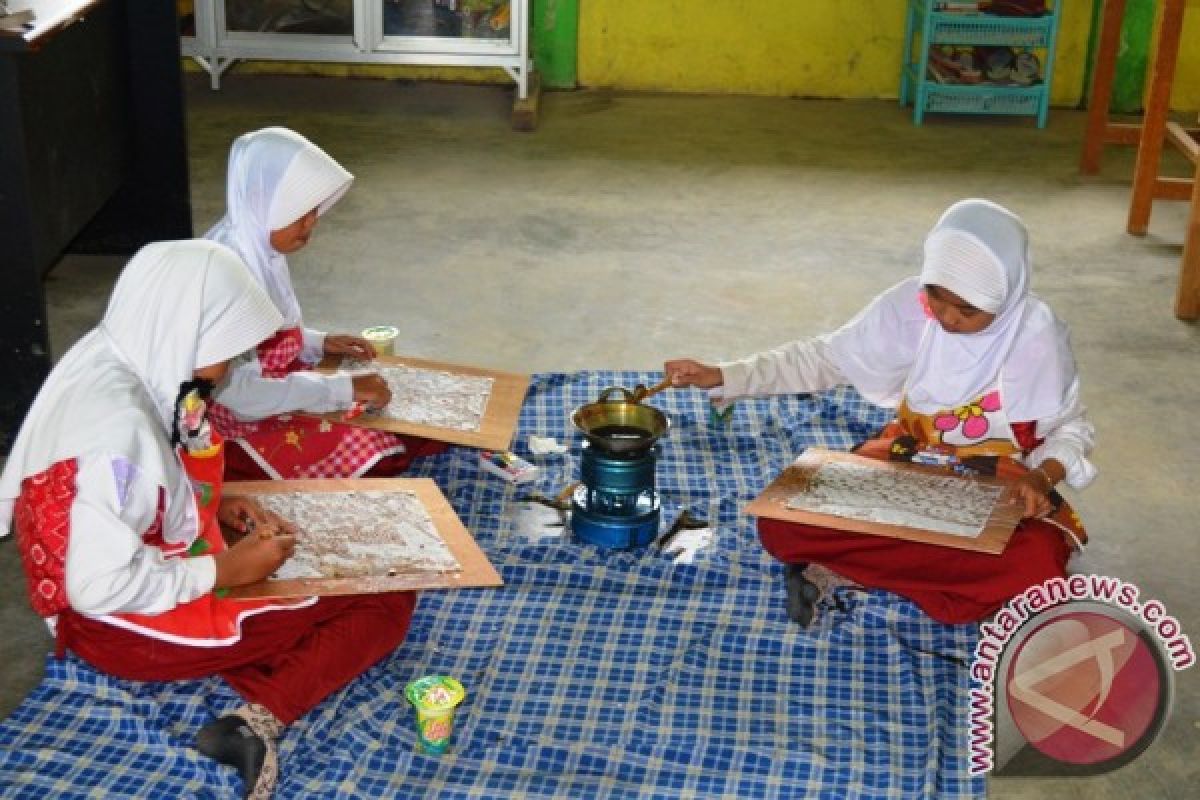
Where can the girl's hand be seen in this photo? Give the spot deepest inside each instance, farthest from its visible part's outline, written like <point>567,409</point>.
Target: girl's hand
<point>241,514</point>
<point>244,515</point>
<point>254,558</point>
<point>686,372</point>
<point>1033,491</point>
<point>346,345</point>
<point>372,390</point>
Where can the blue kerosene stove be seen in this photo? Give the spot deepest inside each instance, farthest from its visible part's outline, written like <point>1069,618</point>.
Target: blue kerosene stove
<point>616,504</point>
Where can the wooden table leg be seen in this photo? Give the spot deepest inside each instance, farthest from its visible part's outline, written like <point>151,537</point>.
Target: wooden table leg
<point>1100,97</point>
<point>1158,103</point>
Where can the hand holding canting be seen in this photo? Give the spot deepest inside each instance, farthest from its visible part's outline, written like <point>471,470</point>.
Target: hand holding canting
<point>353,346</point>
<point>1032,490</point>
<point>688,372</point>
<point>253,558</point>
<point>241,514</point>
<point>373,390</point>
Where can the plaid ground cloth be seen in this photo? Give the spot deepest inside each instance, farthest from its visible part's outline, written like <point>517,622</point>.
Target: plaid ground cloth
<point>592,673</point>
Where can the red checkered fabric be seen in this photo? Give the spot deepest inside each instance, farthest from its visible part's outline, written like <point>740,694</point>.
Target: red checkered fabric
<point>229,426</point>
<point>356,451</point>
<point>280,355</point>
<point>292,446</point>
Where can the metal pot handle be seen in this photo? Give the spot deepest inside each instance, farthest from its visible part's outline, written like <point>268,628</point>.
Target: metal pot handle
<point>603,398</point>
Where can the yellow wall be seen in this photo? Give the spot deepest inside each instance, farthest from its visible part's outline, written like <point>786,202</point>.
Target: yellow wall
<point>808,48</point>
<point>1185,91</point>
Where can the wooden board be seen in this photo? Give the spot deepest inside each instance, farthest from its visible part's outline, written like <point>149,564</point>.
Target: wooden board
<point>476,570</point>
<point>772,503</point>
<point>496,428</point>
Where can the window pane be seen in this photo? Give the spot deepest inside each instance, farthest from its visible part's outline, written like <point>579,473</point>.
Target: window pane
<point>468,19</point>
<point>327,17</point>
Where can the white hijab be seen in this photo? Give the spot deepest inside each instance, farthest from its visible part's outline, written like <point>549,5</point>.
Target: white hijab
<point>276,176</point>
<point>177,306</point>
<point>892,350</point>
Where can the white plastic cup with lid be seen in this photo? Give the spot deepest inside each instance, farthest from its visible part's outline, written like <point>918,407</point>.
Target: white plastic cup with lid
<point>382,338</point>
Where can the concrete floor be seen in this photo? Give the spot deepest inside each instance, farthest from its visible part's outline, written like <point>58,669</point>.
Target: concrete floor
<point>629,229</point>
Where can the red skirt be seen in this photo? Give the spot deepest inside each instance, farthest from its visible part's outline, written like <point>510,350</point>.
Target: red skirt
<point>288,662</point>
<point>950,585</point>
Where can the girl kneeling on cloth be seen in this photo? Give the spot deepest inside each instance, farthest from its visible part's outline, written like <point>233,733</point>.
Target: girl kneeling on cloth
<point>973,363</point>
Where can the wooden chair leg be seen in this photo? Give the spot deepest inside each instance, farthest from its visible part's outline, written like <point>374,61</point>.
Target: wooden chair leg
<point>1187,295</point>
<point>1158,101</point>
<point>1100,96</point>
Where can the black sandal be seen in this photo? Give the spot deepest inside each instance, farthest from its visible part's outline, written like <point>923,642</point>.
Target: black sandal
<point>802,595</point>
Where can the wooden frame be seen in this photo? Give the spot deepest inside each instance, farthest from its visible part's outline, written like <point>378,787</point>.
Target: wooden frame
<point>476,571</point>
<point>772,503</point>
<point>496,428</point>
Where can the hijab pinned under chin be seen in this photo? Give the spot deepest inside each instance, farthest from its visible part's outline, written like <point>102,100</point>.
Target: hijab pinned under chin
<point>892,350</point>
<point>176,307</point>
<point>275,177</point>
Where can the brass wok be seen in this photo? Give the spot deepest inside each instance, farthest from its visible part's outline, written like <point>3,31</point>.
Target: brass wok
<point>620,427</point>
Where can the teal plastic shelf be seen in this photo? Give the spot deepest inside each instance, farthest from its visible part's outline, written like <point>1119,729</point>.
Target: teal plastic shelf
<point>950,98</point>
<point>985,29</point>
<point>925,28</point>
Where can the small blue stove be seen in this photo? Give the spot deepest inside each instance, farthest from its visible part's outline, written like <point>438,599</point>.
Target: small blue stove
<point>616,504</point>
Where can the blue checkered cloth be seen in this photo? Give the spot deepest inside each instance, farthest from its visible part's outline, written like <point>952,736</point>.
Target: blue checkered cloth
<point>592,673</point>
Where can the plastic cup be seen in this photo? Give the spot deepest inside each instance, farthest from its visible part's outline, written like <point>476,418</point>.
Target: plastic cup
<point>383,338</point>
<point>435,697</point>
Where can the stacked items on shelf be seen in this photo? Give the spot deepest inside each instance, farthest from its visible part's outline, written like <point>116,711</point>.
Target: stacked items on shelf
<point>1002,66</point>
<point>996,66</point>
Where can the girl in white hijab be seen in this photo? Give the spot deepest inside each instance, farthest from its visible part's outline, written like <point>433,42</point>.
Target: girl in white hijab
<point>113,489</point>
<point>279,184</point>
<point>973,364</point>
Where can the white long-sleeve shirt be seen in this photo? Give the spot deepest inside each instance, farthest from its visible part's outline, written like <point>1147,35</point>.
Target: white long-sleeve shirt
<point>806,366</point>
<point>252,396</point>
<point>109,568</point>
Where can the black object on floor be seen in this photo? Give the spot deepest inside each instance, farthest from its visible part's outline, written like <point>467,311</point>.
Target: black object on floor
<point>802,595</point>
<point>229,740</point>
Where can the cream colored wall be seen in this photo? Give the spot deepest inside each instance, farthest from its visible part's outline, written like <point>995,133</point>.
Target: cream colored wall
<point>807,48</point>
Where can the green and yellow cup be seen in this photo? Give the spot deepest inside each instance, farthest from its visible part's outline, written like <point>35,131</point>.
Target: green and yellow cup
<point>435,697</point>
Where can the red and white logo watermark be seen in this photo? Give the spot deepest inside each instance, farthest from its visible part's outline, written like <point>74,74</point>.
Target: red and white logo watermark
<point>1073,677</point>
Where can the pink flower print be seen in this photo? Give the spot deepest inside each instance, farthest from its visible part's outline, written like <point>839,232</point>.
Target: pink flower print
<point>971,416</point>
<point>990,401</point>
<point>945,421</point>
<point>975,424</point>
